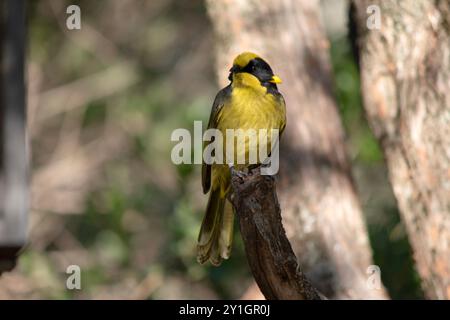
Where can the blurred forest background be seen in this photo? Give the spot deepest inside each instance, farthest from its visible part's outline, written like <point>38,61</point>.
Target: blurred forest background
<point>102,103</point>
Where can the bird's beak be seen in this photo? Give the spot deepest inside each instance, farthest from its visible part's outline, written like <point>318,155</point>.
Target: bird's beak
<point>275,79</point>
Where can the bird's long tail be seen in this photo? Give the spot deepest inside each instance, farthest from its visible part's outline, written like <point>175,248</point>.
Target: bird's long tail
<point>216,233</point>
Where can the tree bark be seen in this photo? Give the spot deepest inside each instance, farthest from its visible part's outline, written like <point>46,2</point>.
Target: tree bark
<point>321,212</point>
<point>405,80</point>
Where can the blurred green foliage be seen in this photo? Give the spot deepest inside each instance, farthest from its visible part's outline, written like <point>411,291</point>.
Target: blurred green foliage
<point>363,145</point>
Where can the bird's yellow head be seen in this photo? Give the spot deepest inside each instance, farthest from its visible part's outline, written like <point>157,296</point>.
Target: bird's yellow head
<point>251,69</point>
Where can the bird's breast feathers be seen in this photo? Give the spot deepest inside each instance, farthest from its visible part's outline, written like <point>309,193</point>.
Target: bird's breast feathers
<point>248,108</point>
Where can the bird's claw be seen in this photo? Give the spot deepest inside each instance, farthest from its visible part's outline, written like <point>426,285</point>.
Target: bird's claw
<point>237,173</point>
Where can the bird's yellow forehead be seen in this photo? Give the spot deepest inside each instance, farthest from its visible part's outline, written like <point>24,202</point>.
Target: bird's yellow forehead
<point>244,58</point>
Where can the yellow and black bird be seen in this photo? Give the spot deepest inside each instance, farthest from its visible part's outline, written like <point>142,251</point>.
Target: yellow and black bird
<point>250,101</point>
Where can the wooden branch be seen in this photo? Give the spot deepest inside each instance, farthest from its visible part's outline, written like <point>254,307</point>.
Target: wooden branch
<point>269,253</point>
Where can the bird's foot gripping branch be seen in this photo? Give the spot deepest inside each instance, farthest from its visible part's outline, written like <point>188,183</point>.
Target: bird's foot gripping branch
<point>269,253</point>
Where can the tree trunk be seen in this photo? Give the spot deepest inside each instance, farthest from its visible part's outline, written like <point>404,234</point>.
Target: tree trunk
<point>321,213</point>
<point>405,74</point>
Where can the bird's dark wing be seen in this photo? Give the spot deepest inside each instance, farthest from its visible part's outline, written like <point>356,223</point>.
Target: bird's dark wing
<point>283,103</point>
<point>219,102</point>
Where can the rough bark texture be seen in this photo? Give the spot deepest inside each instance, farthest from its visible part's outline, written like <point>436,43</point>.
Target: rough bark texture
<point>321,213</point>
<point>269,253</point>
<point>405,73</point>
